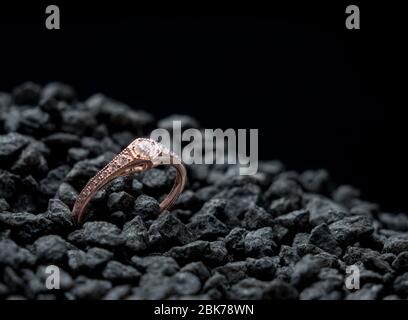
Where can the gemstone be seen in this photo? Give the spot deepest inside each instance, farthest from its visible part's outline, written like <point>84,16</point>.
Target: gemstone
<point>147,147</point>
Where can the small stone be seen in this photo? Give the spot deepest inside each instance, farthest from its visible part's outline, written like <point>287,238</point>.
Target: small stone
<point>214,253</point>
<point>388,257</point>
<point>401,284</point>
<point>272,168</point>
<point>147,207</point>
<point>315,181</point>
<point>207,227</point>
<point>206,193</point>
<point>8,184</point>
<point>367,292</point>
<point>61,140</point>
<point>153,287</point>
<point>157,181</point>
<point>401,262</point>
<point>185,283</point>
<point>120,273</point>
<point>82,172</point>
<point>98,233</point>
<point>239,199</point>
<point>161,265</point>
<point>49,185</point>
<point>323,210</point>
<point>397,222</point>
<point>91,289</point>
<point>247,289</point>
<point>25,226</point>
<point>34,121</point>
<point>118,218</point>
<point>33,285</point>
<point>4,206</point>
<point>263,268</point>
<point>370,258</point>
<point>288,255</point>
<point>137,187</point>
<point>321,237</point>
<point>345,195</point>
<point>27,93</point>
<point>77,154</point>
<point>14,256</point>
<point>118,292</point>
<point>369,276</point>
<point>256,217</point>
<point>364,208</point>
<point>120,201</point>
<point>198,269</point>
<point>12,280</point>
<point>306,271</point>
<point>77,121</point>
<point>119,184</point>
<point>11,144</point>
<point>280,290</point>
<point>260,243</point>
<point>4,291</point>
<point>218,253</point>
<point>51,249</point>
<point>396,244</point>
<point>167,230</point>
<point>136,235</point>
<point>67,194</point>
<point>233,271</point>
<point>29,184</point>
<point>217,281</point>
<point>182,215</point>
<point>351,229</point>
<point>283,187</point>
<point>322,290</point>
<point>97,147</point>
<point>285,205</point>
<point>31,160</point>
<point>60,216</point>
<point>187,200</point>
<point>58,91</point>
<point>235,241</point>
<point>92,260</point>
<point>295,220</point>
<point>25,202</point>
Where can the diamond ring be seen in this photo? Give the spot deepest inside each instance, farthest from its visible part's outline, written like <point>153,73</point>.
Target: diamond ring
<point>141,155</point>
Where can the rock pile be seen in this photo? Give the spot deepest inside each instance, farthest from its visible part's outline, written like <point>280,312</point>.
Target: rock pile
<point>276,235</point>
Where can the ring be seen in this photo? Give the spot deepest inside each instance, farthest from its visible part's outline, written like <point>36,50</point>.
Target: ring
<point>141,155</point>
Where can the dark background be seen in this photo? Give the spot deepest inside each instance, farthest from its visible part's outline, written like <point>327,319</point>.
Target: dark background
<point>320,95</point>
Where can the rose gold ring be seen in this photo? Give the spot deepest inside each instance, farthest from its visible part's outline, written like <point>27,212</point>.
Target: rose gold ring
<point>141,155</point>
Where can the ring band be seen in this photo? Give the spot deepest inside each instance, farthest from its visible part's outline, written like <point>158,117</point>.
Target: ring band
<point>141,155</point>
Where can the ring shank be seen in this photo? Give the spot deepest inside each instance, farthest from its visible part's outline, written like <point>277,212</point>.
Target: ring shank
<point>177,188</point>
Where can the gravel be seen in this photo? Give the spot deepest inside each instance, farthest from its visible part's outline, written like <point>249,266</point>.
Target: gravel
<point>276,235</point>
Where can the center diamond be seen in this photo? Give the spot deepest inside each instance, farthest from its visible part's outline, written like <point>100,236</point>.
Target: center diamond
<point>147,147</point>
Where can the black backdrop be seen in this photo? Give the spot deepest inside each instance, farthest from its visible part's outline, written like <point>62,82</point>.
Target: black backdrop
<point>321,95</point>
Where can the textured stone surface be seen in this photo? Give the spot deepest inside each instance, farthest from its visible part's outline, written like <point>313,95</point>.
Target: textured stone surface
<point>276,235</point>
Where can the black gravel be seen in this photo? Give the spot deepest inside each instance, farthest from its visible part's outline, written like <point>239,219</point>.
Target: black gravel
<point>276,235</point>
